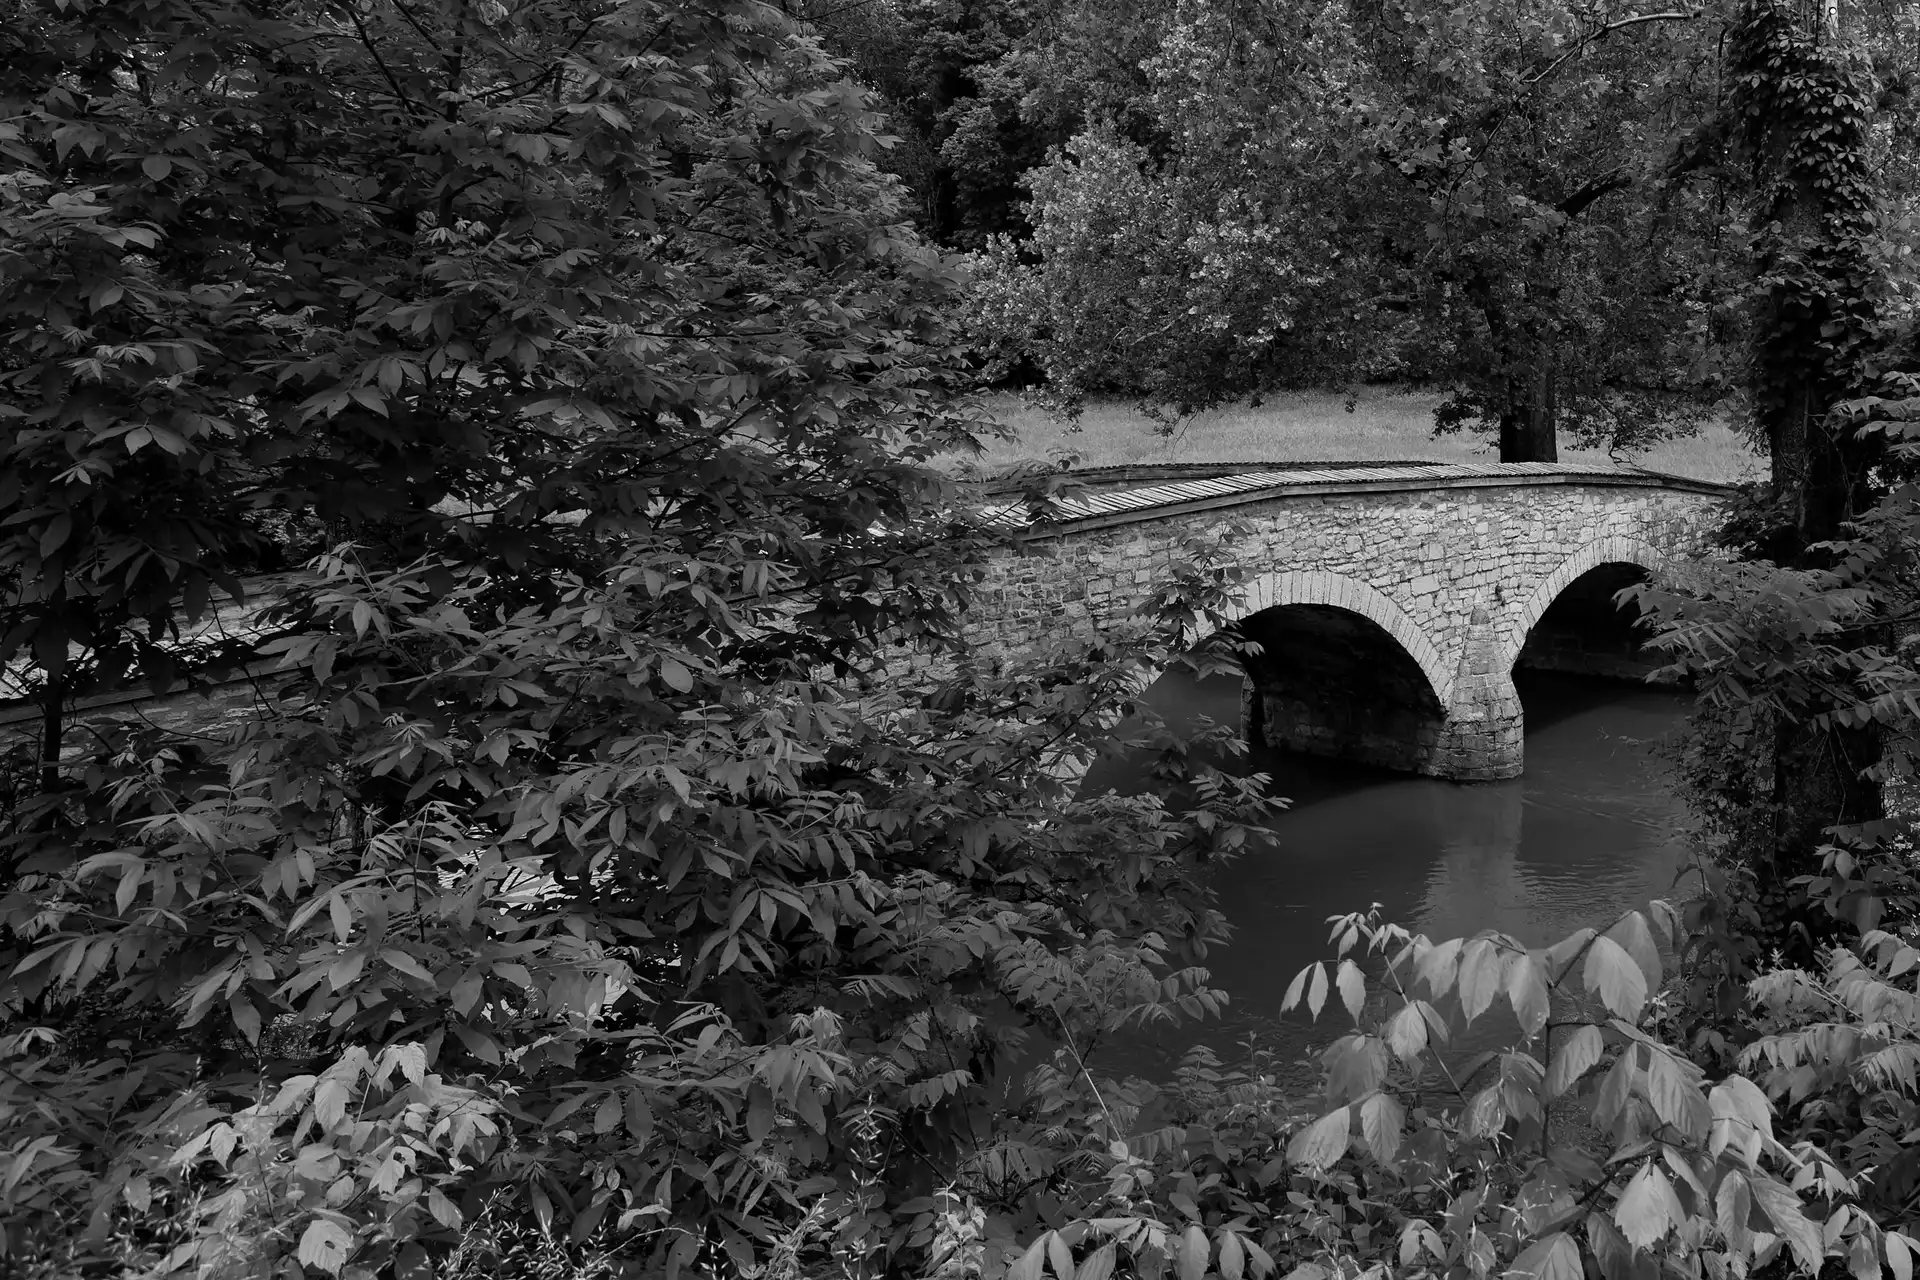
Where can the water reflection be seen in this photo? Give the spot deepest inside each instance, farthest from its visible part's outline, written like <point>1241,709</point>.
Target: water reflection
<point>1591,829</point>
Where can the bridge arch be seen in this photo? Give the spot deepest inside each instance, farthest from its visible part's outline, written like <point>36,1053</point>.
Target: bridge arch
<point>1615,549</point>
<point>1342,670</point>
<point>1276,589</point>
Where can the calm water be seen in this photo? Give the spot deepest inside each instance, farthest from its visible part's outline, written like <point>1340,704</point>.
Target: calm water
<point>1591,830</point>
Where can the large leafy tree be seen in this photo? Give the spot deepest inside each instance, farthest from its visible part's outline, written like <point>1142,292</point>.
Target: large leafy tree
<point>1497,201</point>
<point>561,874</point>
<point>978,92</point>
<point>1558,247</point>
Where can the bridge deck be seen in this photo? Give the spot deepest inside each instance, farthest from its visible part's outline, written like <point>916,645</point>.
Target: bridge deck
<point>1151,500</point>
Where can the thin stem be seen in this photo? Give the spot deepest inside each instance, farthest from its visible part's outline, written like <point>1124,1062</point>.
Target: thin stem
<point>1113,1129</point>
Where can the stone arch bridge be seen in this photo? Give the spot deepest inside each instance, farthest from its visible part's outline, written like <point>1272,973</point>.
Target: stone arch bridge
<point>1391,602</point>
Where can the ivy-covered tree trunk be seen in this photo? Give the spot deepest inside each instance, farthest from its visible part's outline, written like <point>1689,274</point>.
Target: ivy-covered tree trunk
<point>1801,118</point>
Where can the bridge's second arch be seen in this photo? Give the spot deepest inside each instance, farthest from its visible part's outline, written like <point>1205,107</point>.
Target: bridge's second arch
<point>1336,668</point>
<point>1573,619</point>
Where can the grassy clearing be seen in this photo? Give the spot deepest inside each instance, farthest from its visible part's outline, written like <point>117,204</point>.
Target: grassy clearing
<point>1316,427</point>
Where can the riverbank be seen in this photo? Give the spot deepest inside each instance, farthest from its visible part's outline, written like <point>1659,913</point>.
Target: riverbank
<point>1384,423</point>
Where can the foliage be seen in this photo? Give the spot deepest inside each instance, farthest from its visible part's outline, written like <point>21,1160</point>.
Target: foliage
<point>630,861</point>
<point>1434,191</point>
<point>1576,1142</point>
<point>1803,111</point>
<point>1807,693</point>
<point>1210,260</point>
<point>564,875</point>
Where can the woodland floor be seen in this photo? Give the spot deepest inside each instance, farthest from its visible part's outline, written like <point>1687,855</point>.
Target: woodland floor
<point>1317,427</point>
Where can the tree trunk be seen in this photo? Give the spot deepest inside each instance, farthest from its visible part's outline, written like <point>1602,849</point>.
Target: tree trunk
<point>1529,425</point>
<point>1811,211</point>
<point>53,724</point>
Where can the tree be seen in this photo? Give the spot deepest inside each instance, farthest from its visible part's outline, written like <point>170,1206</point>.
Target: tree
<point>1560,261</point>
<point>1211,262</point>
<point>1430,193</point>
<point>981,91</point>
<point>563,885</point>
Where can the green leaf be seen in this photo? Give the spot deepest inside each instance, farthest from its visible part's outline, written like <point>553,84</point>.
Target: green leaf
<point>1610,1248</point>
<point>1059,1255</point>
<point>1783,1209</point>
<point>1647,1209</point>
<point>1900,1253</point>
<point>1733,1208</point>
<point>1741,1116</point>
<point>1193,1253</point>
<point>1633,937</point>
<point>325,1244</point>
<point>1406,1032</point>
<point>246,1018</point>
<point>1675,1098</point>
<point>1561,955</point>
<point>1317,1146</point>
<point>1482,965</point>
<point>1863,1260</point>
<point>1032,1263</point>
<point>1572,1058</point>
<point>1556,1257</point>
<point>1356,1066</point>
<point>1296,990</point>
<point>1381,1120</point>
<point>1353,988</point>
<point>1097,1265</point>
<point>1612,975</point>
<point>55,535</point>
<point>1439,966</point>
<point>1317,990</point>
<point>1526,984</point>
<point>1617,1086</point>
<point>1233,1257</point>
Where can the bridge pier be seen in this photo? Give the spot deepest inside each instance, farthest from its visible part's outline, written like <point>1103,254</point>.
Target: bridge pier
<point>1484,721</point>
<point>1477,739</point>
<point>1329,681</point>
<point>1481,740</point>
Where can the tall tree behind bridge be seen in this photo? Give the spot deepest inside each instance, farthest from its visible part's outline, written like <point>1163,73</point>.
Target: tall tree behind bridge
<point>1489,200</point>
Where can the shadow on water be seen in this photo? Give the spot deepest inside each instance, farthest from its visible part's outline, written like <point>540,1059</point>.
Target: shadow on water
<point>1591,830</point>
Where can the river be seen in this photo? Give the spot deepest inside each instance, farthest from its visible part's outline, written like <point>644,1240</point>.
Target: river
<point>1592,829</point>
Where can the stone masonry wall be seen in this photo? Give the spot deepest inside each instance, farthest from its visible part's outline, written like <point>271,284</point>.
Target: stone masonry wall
<point>1456,574</point>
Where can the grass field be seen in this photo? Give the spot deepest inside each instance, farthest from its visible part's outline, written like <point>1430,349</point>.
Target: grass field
<point>1316,427</point>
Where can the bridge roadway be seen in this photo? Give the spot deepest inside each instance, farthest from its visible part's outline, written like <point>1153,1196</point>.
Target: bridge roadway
<point>1392,601</point>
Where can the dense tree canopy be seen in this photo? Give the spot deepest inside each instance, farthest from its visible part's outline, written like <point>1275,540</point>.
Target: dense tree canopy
<point>1547,209</point>
<point>551,871</point>
<point>624,861</point>
<point>1497,201</point>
